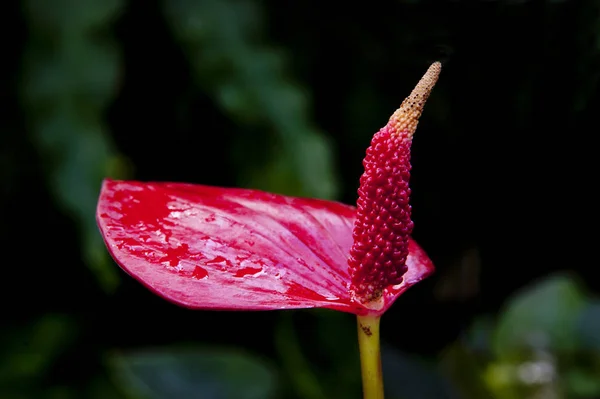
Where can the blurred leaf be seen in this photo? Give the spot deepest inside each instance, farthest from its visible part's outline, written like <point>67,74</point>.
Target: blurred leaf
<point>103,387</point>
<point>70,72</point>
<point>478,336</point>
<point>338,342</point>
<point>464,369</point>
<point>249,80</point>
<point>407,377</point>
<point>297,367</point>
<point>543,315</point>
<point>60,392</point>
<point>583,383</point>
<point>62,14</point>
<point>194,373</point>
<point>28,353</point>
<point>588,326</point>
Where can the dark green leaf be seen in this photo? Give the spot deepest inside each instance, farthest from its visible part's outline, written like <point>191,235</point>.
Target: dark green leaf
<point>407,377</point>
<point>249,80</point>
<point>195,374</point>
<point>543,315</point>
<point>588,326</point>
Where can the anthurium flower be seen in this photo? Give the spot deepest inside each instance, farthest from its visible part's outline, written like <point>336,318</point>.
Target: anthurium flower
<point>240,249</point>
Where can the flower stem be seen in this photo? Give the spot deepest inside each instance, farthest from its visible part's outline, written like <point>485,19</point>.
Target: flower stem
<point>370,358</point>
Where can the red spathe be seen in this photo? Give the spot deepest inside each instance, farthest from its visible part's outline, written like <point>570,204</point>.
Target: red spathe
<point>217,248</point>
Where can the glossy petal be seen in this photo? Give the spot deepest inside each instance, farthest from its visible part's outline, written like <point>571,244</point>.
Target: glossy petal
<point>235,249</point>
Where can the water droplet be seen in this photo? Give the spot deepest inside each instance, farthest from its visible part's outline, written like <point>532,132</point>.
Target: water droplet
<point>199,273</point>
<point>161,236</point>
<point>298,291</point>
<point>176,214</point>
<point>174,255</point>
<point>219,260</point>
<point>180,213</point>
<point>248,271</point>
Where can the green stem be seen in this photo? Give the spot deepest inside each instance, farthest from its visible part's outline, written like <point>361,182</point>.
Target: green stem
<point>370,358</point>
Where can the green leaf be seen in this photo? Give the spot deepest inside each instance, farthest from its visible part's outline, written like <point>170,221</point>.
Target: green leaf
<point>543,315</point>
<point>194,373</point>
<point>248,78</point>
<point>583,383</point>
<point>464,368</point>
<point>296,366</point>
<point>28,353</point>
<point>408,377</point>
<point>589,326</point>
<point>338,345</point>
<point>58,15</point>
<point>70,77</point>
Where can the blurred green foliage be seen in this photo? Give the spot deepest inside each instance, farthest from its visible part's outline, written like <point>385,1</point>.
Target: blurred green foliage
<point>536,347</point>
<point>28,353</point>
<point>225,45</point>
<point>68,81</point>
<point>280,75</point>
<point>194,372</point>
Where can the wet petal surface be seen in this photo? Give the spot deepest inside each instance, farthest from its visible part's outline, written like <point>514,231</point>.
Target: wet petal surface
<point>236,249</point>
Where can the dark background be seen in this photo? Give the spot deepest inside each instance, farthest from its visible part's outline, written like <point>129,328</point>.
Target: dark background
<point>284,96</point>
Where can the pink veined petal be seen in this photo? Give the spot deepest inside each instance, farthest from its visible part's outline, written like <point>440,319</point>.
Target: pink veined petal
<point>236,249</point>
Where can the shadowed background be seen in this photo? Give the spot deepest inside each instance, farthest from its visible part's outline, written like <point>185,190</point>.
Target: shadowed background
<point>285,96</point>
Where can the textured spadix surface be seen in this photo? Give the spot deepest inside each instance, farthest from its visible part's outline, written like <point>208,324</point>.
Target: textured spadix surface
<point>219,248</point>
<point>383,225</point>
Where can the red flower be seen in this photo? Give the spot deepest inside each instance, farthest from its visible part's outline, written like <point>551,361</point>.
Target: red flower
<point>226,248</point>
